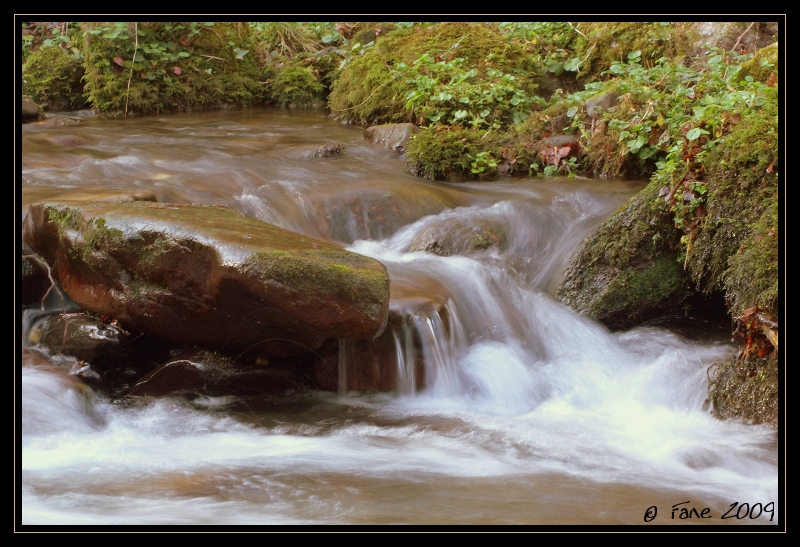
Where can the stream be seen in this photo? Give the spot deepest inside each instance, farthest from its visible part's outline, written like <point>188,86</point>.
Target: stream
<point>530,414</point>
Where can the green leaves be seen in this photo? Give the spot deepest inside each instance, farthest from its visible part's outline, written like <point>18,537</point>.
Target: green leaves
<point>694,134</point>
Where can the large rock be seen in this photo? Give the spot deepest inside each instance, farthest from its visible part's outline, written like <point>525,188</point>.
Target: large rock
<point>393,136</point>
<point>454,236</point>
<point>31,112</point>
<point>208,276</point>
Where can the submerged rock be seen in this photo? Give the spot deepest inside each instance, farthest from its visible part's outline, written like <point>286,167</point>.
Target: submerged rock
<point>208,276</point>
<point>460,237</point>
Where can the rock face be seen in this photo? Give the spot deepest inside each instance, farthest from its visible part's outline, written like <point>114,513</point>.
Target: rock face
<point>208,276</point>
<point>391,135</point>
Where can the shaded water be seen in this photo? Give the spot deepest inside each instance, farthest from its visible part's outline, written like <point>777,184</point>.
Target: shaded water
<point>530,413</point>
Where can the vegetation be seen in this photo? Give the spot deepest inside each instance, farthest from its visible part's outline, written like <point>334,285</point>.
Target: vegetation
<point>52,77</point>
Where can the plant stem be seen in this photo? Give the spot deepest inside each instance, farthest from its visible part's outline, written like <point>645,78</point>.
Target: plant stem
<point>135,49</point>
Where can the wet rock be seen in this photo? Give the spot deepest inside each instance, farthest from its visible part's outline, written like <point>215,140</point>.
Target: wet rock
<point>455,236</point>
<point>327,150</point>
<point>106,355</point>
<point>604,102</point>
<point>172,377</point>
<point>265,382</point>
<point>208,276</point>
<point>59,121</point>
<point>347,215</point>
<point>395,360</point>
<point>559,140</point>
<point>393,136</point>
<point>34,282</point>
<point>80,336</point>
<point>31,112</point>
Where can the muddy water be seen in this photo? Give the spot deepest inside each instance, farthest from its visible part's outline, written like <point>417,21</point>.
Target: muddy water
<point>530,414</point>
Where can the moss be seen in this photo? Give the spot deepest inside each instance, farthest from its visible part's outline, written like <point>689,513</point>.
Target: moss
<point>742,195</point>
<point>366,90</point>
<point>762,65</point>
<point>627,271</point>
<point>295,86</point>
<point>178,66</point>
<point>311,273</point>
<point>613,41</point>
<point>636,292</point>
<point>447,153</point>
<point>52,78</point>
<point>746,387</point>
<point>752,276</point>
<point>65,218</point>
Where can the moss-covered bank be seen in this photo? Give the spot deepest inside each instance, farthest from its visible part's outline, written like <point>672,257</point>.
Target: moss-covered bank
<point>638,264</point>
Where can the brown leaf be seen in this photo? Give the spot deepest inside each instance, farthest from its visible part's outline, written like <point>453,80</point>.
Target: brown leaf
<point>772,80</point>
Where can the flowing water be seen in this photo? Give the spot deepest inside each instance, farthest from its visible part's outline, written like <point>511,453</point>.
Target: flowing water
<point>529,414</point>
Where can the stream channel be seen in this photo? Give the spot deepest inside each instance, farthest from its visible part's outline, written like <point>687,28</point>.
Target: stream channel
<point>530,414</point>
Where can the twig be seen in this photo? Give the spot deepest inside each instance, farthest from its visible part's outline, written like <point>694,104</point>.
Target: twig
<point>52,281</point>
<point>576,30</point>
<point>742,36</point>
<point>130,76</point>
<point>212,57</point>
<point>368,97</point>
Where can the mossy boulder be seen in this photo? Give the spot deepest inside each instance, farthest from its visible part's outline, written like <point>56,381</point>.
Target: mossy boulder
<point>295,86</point>
<point>208,276</point>
<point>174,66</point>
<point>52,78</point>
<point>747,388</point>
<point>763,64</point>
<point>628,272</point>
<point>448,152</point>
<point>638,264</point>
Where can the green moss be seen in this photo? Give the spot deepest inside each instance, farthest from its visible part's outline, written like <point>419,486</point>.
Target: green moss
<point>741,211</point>
<point>447,153</point>
<point>762,65</point>
<point>613,41</point>
<point>746,387</point>
<point>638,291</point>
<point>367,90</point>
<point>65,218</point>
<point>752,278</point>
<point>627,271</point>
<point>295,86</point>
<point>311,273</point>
<point>52,78</point>
<point>176,66</point>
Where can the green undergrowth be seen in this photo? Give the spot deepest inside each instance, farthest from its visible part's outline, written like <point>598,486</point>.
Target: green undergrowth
<point>445,72</point>
<point>148,67</point>
<point>52,77</point>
